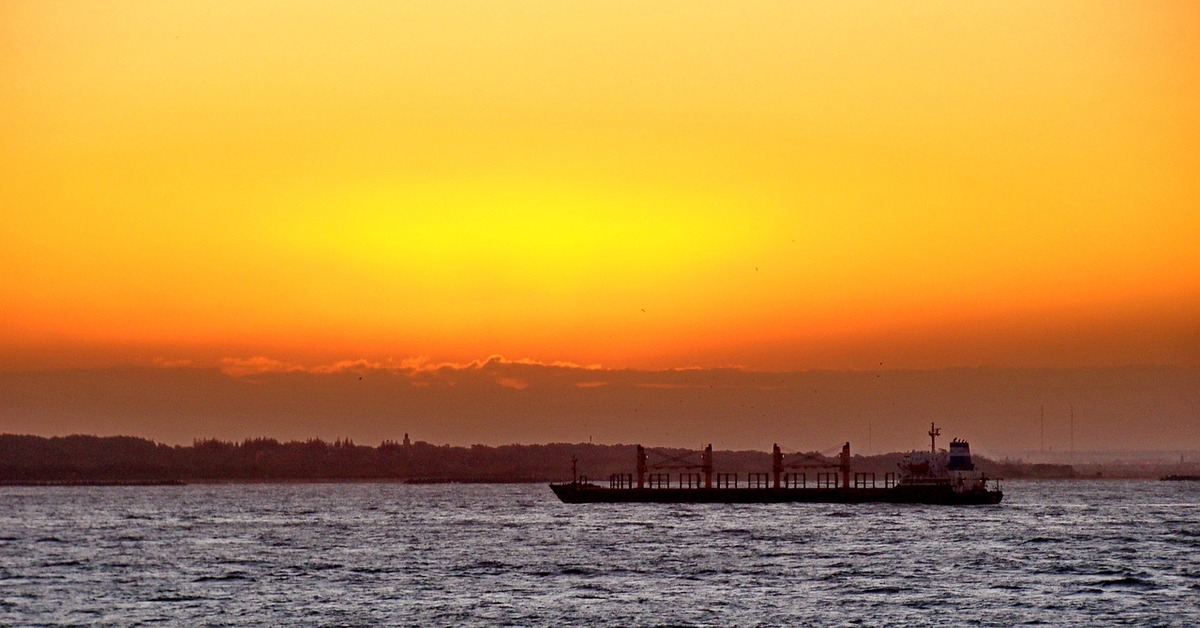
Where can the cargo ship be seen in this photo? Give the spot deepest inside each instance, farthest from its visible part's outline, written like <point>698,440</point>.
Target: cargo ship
<point>923,477</point>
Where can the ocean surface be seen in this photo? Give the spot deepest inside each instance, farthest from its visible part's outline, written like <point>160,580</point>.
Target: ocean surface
<point>1081,553</point>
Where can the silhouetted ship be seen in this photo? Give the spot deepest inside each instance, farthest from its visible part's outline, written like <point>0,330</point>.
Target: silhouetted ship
<point>925,477</point>
<point>1180,478</point>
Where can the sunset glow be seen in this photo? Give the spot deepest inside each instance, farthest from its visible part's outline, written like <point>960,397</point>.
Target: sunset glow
<point>773,185</point>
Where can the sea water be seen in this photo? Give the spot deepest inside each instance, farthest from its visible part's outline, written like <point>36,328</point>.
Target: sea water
<point>1079,553</point>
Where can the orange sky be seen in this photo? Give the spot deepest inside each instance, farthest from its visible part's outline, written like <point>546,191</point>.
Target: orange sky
<point>776,185</point>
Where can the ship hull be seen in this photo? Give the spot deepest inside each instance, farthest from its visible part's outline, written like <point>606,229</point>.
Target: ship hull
<point>573,493</point>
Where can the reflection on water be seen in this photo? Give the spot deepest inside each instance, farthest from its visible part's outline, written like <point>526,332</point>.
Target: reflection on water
<point>1081,553</point>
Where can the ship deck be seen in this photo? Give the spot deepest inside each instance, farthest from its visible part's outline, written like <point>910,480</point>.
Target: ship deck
<point>578,493</point>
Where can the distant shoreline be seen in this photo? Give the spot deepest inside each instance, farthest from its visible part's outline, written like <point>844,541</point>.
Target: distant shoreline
<point>82,460</point>
<point>99,482</point>
<point>291,481</point>
<point>209,481</point>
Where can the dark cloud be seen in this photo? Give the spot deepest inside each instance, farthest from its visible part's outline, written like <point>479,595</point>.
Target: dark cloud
<point>499,401</point>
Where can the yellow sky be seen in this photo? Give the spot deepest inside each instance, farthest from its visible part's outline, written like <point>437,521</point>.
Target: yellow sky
<point>770,184</point>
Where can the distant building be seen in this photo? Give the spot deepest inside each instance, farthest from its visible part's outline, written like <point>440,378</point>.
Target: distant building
<point>407,443</point>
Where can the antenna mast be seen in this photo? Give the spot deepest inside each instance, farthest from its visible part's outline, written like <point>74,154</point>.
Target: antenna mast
<point>1072,431</point>
<point>1043,413</point>
<point>934,432</point>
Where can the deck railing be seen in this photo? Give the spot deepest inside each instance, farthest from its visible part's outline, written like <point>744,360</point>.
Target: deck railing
<point>791,480</point>
<point>795,480</point>
<point>826,479</point>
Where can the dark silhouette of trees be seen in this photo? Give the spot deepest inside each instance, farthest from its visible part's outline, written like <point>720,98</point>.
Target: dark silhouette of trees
<point>127,459</point>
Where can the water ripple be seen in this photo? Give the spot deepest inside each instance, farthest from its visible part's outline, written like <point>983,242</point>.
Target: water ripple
<point>1055,553</point>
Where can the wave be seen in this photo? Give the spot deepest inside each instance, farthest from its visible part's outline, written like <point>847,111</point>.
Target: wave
<point>176,598</point>
<point>231,576</point>
<point>1127,582</point>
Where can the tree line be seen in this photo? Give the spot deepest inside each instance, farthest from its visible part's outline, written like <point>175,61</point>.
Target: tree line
<point>26,459</point>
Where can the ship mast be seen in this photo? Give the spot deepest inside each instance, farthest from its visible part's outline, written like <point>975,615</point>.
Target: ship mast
<point>934,432</point>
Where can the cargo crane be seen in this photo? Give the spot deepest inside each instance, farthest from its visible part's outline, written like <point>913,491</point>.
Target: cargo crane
<point>675,462</point>
<point>810,461</point>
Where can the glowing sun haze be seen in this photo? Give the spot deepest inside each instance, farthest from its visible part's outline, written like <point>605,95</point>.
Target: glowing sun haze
<point>776,185</point>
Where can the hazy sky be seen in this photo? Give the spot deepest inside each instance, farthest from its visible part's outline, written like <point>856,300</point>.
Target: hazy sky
<point>495,401</point>
<point>773,185</point>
